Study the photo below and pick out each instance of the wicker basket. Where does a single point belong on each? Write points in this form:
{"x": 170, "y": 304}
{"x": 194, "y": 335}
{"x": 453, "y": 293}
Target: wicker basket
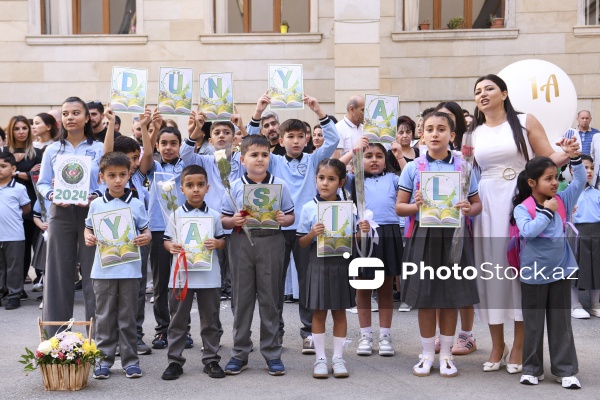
{"x": 65, "y": 377}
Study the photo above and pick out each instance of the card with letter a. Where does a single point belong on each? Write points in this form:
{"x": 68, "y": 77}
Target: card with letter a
{"x": 261, "y": 202}
{"x": 128, "y": 90}
{"x": 381, "y": 118}
{"x": 286, "y": 86}
{"x": 441, "y": 192}
{"x": 115, "y": 232}
{"x": 175, "y": 86}
{"x": 338, "y": 217}
{"x": 193, "y": 232}
{"x": 216, "y": 96}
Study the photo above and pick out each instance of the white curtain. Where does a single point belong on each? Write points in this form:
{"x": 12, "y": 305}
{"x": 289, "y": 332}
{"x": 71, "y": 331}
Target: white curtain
{"x": 411, "y": 15}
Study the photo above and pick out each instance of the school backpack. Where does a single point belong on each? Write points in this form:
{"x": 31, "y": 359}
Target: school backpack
{"x": 513, "y": 250}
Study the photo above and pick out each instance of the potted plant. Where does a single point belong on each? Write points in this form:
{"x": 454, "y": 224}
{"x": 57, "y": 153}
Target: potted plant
{"x": 496, "y": 22}
{"x": 284, "y": 27}
{"x": 456, "y": 23}
{"x": 424, "y": 26}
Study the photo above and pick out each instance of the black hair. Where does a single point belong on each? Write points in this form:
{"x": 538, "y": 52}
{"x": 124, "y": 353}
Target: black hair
{"x": 406, "y": 120}
{"x": 441, "y": 115}
{"x": 126, "y": 144}
{"x": 193, "y": 169}
{"x": 308, "y": 127}
{"x": 427, "y": 111}
{"x": 292, "y": 125}
{"x": 254, "y": 140}
{"x": 2, "y": 134}
{"x": 534, "y": 169}
{"x": 169, "y": 129}
{"x": 221, "y": 123}
{"x": 388, "y": 164}
{"x": 460, "y": 126}
{"x": 50, "y": 121}
{"x": 117, "y": 120}
{"x": 87, "y": 130}
{"x": 114, "y": 159}
{"x": 96, "y": 105}
{"x": 8, "y": 157}
{"x": 511, "y": 115}
{"x": 585, "y": 157}
{"x": 338, "y": 166}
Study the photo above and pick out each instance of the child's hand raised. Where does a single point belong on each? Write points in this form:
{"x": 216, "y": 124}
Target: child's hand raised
{"x": 157, "y": 120}
{"x": 317, "y": 229}
{"x": 569, "y": 146}
{"x": 263, "y": 102}
{"x": 145, "y": 117}
{"x": 364, "y": 226}
{"x": 551, "y": 204}
{"x": 109, "y": 114}
{"x": 314, "y": 105}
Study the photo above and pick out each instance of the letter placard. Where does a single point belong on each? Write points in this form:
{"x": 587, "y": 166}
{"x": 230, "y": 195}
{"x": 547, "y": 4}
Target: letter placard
{"x": 441, "y": 192}
{"x": 175, "y": 86}
{"x": 193, "y": 232}
{"x": 72, "y": 179}
{"x": 286, "y": 87}
{"x": 128, "y": 90}
{"x": 262, "y": 202}
{"x": 381, "y": 118}
{"x": 115, "y": 232}
{"x": 338, "y": 219}
{"x": 216, "y": 96}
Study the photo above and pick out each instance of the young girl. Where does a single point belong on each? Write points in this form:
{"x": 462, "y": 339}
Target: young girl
{"x": 327, "y": 279}
{"x": 546, "y": 263}
{"x": 45, "y": 130}
{"x": 587, "y": 221}
{"x": 432, "y": 247}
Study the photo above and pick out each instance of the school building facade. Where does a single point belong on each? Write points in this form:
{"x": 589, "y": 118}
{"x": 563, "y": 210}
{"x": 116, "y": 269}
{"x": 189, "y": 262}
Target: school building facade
{"x": 52, "y": 49}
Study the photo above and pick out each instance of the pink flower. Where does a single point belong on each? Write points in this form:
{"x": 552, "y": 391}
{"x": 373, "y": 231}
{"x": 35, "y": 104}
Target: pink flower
{"x": 61, "y": 355}
{"x": 39, "y": 354}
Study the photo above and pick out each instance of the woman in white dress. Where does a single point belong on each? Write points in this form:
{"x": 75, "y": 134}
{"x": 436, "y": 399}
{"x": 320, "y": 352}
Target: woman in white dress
{"x": 504, "y": 141}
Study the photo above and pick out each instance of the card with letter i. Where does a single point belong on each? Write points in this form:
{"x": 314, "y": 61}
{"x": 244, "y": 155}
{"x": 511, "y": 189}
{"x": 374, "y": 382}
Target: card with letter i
{"x": 193, "y": 232}
{"x": 286, "y": 86}
{"x": 338, "y": 217}
{"x": 115, "y": 232}
{"x": 381, "y": 118}
{"x": 441, "y": 192}
{"x": 261, "y": 202}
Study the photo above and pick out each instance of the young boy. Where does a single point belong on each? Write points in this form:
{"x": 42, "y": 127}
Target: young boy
{"x": 256, "y": 270}
{"x": 116, "y": 288}
{"x": 298, "y": 170}
{"x": 205, "y": 285}
{"x": 15, "y": 203}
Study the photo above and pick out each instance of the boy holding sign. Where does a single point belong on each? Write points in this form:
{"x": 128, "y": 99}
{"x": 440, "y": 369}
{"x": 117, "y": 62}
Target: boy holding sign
{"x": 204, "y": 283}
{"x": 111, "y": 224}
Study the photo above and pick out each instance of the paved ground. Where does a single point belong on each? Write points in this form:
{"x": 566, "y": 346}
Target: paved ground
{"x": 371, "y": 377}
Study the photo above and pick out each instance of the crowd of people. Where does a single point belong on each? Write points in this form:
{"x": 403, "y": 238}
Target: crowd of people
{"x": 515, "y": 182}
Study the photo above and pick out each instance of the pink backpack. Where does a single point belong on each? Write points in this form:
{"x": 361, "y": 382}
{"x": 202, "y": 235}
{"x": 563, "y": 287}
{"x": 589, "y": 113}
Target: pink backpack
{"x": 513, "y": 251}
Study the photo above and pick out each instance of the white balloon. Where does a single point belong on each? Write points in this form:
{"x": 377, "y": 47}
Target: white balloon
{"x": 541, "y": 88}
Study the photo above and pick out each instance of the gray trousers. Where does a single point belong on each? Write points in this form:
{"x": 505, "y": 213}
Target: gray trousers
{"x": 11, "y": 267}
{"x": 256, "y": 273}
{"x": 66, "y": 246}
{"x": 301, "y": 260}
{"x": 116, "y": 308}
{"x": 551, "y": 302}
{"x": 209, "y": 307}
{"x": 160, "y": 264}
{"x": 141, "y": 304}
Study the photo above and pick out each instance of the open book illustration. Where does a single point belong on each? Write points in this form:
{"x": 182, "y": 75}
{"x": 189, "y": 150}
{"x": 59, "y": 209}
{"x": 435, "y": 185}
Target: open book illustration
{"x": 338, "y": 220}
{"x": 440, "y": 194}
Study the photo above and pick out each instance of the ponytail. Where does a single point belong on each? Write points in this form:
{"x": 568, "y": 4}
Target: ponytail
{"x": 534, "y": 169}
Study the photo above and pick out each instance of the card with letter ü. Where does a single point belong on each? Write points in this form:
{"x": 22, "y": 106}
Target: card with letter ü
{"x": 261, "y": 202}
{"x": 336, "y": 240}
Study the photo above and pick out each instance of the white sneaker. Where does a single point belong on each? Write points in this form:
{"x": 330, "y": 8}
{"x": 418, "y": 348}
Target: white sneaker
{"x": 531, "y": 379}
{"x": 595, "y": 310}
{"x": 152, "y": 299}
{"x": 447, "y": 367}
{"x": 385, "y": 346}
{"x": 320, "y": 371}
{"x": 569, "y": 382}
{"x": 374, "y": 305}
{"x": 41, "y": 306}
{"x": 404, "y": 307}
{"x": 365, "y": 345}
{"x": 423, "y": 368}
{"x": 352, "y": 310}
{"x": 339, "y": 368}
{"x": 38, "y": 287}
{"x": 579, "y": 313}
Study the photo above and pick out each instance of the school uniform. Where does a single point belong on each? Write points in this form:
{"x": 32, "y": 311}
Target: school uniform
{"x": 13, "y": 196}
{"x": 432, "y": 247}
{"x": 206, "y": 286}
{"x": 39, "y": 251}
{"x": 116, "y": 288}
{"x": 66, "y": 243}
{"x": 299, "y": 173}
{"x": 587, "y": 221}
{"x": 327, "y": 280}
{"x": 546, "y": 295}
{"x": 256, "y": 272}
{"x": 160, "y": 259}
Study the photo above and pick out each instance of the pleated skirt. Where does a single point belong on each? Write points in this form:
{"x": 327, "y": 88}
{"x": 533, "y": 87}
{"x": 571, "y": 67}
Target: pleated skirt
{"x": 588, "y": 256}
{"x": 389, "y": 250}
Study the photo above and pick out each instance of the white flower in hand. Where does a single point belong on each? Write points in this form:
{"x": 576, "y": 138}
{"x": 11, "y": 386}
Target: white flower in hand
{"x": 219, "y": 155}
{"x": 167, "y": 186}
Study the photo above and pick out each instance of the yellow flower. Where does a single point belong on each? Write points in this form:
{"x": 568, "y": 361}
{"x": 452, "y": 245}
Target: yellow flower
{"x": 54, "y": 342}
{"x": 89, "y": 348}
{"x": 79, "y": 336}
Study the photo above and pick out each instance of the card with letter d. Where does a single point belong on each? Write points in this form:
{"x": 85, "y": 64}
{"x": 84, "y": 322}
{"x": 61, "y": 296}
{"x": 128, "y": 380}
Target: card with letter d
{"x": 128, "y": 90}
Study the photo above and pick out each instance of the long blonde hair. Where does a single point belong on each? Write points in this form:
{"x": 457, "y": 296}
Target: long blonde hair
{"x": 10, "y": 136}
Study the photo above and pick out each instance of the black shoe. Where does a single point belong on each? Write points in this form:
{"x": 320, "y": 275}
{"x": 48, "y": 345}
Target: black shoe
{"x": 78, "y": 285}
{"x": 189, "y": 342}
{"x": 27, "y": 281}
{"x": 396, "y": 296}
{"x": 160, "y": 341}
{"x": 24, "y": 295}
{"x": 214, "y": 370}
{"x": 288, "y": 298}
{"x": 172, "y": 372}
{"x": 13, "y": 304}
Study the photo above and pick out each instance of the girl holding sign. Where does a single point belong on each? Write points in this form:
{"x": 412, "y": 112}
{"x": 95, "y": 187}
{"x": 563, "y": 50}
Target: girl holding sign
{"x": 68, "y": 176}
{"x": 328, "y": 287}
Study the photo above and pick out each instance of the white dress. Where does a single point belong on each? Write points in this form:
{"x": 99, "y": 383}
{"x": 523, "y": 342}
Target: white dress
{"x": 497, "y": 156}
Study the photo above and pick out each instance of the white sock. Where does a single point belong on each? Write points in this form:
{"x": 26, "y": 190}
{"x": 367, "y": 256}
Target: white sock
{"x": 319, "y": 343}
{"x": 338, "y": 347}
{"x": 384, "y": 332}
{"x": 468, "y": 333}
{"x": 446, "y": 343}
{"x": 428, "y": 346}
{"x": 595, "y": 296}
{"x": 574, "y": 297}
{"x": 366, "y": 331}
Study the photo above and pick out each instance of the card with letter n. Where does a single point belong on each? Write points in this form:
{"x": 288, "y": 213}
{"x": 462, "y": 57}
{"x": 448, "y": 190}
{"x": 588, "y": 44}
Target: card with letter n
{"x": 338, "y": 217}
{"x": 193, "y": 232}
{"x": 216, "y": 96}
{"x": 128, "y": 90}
{"x": 115, "y": 232}
{"x": 72, "y": 179}
{"x": 261, "y": 202}
{"x": 286, "y": 87}
{"x": 441, "y": 192}
{"x": 175, "y": 87}
{"x": 381, "y": 118}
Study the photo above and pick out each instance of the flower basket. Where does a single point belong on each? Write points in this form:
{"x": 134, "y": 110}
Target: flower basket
{"x": 65, "y": 377}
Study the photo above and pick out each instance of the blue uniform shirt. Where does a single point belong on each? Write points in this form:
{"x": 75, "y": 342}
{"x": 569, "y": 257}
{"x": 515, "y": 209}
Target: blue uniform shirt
{"x": 13, "y": 196}
{"x": 199, "y": 279}
{"x": 157, "y": 220}
{"x": 380, "y": 196}
{"x": 131, "y": 269}
{"x": 588, "y": 207}
{"x": 88, "y": 147}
